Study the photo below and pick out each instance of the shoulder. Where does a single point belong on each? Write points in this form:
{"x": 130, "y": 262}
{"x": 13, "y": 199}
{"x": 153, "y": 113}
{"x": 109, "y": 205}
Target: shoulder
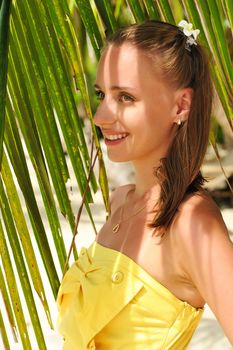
{"x": 198, "y": 223}
{"x": 206, "y": 252}
{"x": 199, "y": 213}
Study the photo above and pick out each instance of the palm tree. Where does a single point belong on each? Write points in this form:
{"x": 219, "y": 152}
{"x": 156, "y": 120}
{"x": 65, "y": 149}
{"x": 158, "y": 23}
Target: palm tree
{"x": 48, "y": 55}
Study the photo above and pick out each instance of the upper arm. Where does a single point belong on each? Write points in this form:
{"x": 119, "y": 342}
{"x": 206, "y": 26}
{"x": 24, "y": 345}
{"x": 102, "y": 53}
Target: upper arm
{"x": 207, "y": 253}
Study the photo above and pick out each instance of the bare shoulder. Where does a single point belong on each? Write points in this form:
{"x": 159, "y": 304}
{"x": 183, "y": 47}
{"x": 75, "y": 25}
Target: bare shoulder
{"x": 197, "y": 223}
{"x": 206, "y": 252}
{"x": 199, "y": 214}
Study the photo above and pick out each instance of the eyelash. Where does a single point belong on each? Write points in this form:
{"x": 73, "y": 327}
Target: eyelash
{"x": 98, "y": 93}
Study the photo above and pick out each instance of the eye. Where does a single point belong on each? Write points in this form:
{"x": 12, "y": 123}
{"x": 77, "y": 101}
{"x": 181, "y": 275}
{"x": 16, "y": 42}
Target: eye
{"x": 126, "y": 98}
{"x": 99, "y": 94}
{"x": 123, "y": 97}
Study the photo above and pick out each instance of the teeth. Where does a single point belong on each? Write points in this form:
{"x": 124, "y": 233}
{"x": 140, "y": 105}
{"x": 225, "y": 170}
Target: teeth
{"x": 116, "y": 137}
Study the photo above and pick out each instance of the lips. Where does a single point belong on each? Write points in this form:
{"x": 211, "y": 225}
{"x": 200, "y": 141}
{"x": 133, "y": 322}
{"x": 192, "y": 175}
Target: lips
{"x": 113, "y": 134}
{"x": 114, "y": 139}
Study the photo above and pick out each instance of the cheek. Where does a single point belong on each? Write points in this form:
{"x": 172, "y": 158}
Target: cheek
{"x": 146, "y": 119}
{"x": 133, "y": 117}
{"x": 158, "y": 107}
{"x": 159, "y": 120}
{"x": 155, "y": 121}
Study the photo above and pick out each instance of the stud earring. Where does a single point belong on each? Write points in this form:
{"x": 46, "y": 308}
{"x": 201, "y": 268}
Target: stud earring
{"x": 178, "y": 122}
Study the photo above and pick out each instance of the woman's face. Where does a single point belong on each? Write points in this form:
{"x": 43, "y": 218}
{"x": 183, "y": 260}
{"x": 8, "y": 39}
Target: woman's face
{"x": 134, "y": 102}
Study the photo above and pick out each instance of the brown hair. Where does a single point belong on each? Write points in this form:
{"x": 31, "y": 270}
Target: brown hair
{"x": 179, "y": 172}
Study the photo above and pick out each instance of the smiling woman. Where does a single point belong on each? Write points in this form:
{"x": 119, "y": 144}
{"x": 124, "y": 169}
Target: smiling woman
{"x": 150, "y": 105}
{"x": 153, "y": 265}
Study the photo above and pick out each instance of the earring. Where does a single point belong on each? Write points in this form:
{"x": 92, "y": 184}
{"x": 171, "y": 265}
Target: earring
{"x": 178, "y": 122}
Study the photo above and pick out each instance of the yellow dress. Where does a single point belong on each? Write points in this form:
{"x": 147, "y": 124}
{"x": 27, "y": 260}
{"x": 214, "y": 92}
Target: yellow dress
{"x": 106, "y": 301}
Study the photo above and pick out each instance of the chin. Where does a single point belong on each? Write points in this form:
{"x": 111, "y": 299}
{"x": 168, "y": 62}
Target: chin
{"x": 118, "y": 159}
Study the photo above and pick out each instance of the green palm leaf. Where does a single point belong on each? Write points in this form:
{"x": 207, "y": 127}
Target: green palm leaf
{"x": 136, "y": 10}
{"x": 210, "y": 41}
{"x": 4, "y": 38}
{"x": 4, "y": 333}
{"x": 13, "y": 290}
{"x": 165, "y": 11}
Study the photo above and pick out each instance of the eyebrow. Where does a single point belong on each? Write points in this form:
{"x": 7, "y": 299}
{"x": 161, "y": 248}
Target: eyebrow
{"x": 116, "y": 87}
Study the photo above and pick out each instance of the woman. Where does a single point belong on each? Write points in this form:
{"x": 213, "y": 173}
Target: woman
{"x": 164, "y": 251}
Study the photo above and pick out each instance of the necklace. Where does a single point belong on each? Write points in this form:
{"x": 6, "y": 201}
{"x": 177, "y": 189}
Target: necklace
{"x": 116, "y": 228}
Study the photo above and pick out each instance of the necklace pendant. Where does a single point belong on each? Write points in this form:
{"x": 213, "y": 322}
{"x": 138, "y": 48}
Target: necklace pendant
{"x": 116, "y": 228}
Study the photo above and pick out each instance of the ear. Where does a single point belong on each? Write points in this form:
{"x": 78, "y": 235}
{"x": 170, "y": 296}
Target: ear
{"x": 183, "y": 104}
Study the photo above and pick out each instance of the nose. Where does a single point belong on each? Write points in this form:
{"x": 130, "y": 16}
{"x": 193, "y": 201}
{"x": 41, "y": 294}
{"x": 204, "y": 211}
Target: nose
{"x": 105, "y": 114}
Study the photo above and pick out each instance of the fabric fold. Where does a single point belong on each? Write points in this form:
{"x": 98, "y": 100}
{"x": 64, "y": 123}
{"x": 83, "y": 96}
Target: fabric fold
{"x": 84, "y": 312}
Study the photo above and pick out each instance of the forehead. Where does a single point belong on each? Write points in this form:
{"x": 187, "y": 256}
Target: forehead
{"x": 125, "y": 64}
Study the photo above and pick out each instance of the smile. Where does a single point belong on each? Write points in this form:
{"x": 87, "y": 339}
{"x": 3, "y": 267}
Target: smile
{"x": 115, "y": 139}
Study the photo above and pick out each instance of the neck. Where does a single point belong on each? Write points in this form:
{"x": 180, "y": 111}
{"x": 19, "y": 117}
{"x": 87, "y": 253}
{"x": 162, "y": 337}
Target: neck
{"x": 146, "y": 183}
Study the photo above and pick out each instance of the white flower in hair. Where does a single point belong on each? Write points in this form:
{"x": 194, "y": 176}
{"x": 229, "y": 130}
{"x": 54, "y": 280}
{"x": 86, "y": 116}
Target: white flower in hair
{"x": 189, "y": 32}
{"x": 188, "y": 29}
